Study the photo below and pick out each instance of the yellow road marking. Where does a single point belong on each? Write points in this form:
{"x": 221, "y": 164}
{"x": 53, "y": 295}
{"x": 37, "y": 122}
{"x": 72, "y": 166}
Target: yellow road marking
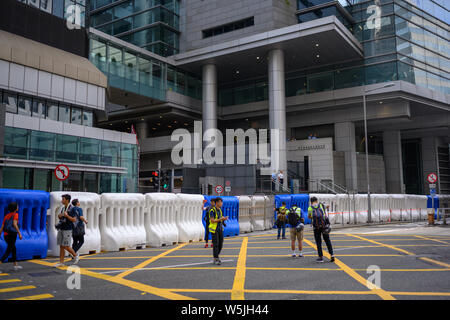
{"x": 314, "y": 255}
{"x": 306, "y": 291}
{"x": 169, "y": 268}
{"x": 380, "y": 292}
{"x": 16, "y": 289}
{"x": 407, "y": 252}
{"x": 128, "y": 283}
{"x": 147, "y": 262}
{"x": 237, "y": 292}
{"x": 10, "y": 280}
{"x": 425, "y": 238}
{"x": 407, "y": 270}
{"x": 383, "y": 244}
{"x": 36, "y": 297}
{"x": 201, "y": 290}
{"x": 420, "y": 293}
{"x": 294, "y": 269}
{"x": 4, "y": 274}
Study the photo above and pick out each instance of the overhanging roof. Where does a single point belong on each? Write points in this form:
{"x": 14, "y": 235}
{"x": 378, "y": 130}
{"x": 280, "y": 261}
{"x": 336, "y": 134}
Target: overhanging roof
{"x": 326, "y": 37}
{"x": 17, "y": 49}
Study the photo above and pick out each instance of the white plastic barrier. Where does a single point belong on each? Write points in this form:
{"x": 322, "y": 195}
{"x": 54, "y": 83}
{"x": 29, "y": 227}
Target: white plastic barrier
{"x": 245, "y": 224}
{"x": 380, "y": 207}
{"x": 329, "y": 200}
{"x": 269, "y": 212}
{"x": 258, "y": 213}
{"x": 189, "y": 217}
{"x": 344, "y": 206}
{"x": 90, "y": 203}
{"x": 160, "y": 219}
{"x": 414, "y": 207}
{"x": 397, "y": 207}
{"x": 122, "y": 221}
{"x": 361, "y": 208}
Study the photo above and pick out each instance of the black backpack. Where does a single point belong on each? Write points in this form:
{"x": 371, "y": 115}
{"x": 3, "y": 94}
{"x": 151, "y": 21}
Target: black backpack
{"x": 9, "y": 225}
{"x": 78, "y": 229}
{"x": 293, "y": 217}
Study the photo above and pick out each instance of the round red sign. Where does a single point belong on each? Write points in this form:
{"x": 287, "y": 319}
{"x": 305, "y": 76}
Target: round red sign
{"x": 432, "y": 178}
{"x": 61, "y": 172}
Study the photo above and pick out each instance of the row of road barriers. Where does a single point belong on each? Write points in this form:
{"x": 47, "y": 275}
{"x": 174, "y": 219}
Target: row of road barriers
{"x": 118, "y": 221}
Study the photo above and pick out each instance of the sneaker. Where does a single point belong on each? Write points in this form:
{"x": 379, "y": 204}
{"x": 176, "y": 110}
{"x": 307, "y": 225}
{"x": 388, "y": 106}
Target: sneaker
{"x": 319, "y": 260}
{"x": 278, "y": 238}
{"x": 77, "y": 258}
{"x": 283, "y": 238}
{"x": 293, "y": 255}
{"x": 73, "y": 258}
{"x": 17, "y": 268}
{"x": 206, "y": 245}
{"x": 300, "y": 255}
{"x": 332, "y": 259}
{"x": 59, "y": 264}
{"x": 219, "y": 262}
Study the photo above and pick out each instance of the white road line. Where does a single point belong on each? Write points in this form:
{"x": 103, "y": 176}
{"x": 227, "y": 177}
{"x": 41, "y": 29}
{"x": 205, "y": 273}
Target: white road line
{"x": 173, "y": 266}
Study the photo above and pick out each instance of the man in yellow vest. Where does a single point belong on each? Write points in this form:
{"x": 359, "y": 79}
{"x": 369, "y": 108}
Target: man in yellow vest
{"x": 216, "y": 220}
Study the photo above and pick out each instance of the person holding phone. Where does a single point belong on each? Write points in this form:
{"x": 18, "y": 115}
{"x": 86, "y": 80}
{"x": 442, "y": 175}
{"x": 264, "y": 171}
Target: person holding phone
{"x": 216, "y": 221}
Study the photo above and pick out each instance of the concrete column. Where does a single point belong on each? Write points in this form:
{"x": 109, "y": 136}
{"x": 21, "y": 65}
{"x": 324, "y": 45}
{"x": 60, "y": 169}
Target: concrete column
{"x": 392, "y": 149}
{"x": 344, "y": 136}
{"x": 277, "y": 112}
{"x": 209, "y": 100}
{"x": 142, "y": 130}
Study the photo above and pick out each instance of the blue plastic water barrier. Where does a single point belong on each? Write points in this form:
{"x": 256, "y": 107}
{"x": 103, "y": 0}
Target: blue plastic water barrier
{"x": 279, "y": 198}
{"x": 302, "y": 201}
{"x": 436, "y": 204}
{"x": 33, "y": 207}
{"x": 230, "y": 209}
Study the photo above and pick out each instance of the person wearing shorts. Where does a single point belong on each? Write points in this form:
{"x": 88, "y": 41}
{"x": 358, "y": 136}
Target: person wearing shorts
{"x": 295, "y": 233}
{"x": 64, "y": 236}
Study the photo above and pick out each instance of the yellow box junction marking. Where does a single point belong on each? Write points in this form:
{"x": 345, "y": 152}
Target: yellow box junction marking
{"x": 36, "y": 297}
{"x": 237, "y": 292}
{"x": 16, "y": 289}
{"x": 380, "y": 292}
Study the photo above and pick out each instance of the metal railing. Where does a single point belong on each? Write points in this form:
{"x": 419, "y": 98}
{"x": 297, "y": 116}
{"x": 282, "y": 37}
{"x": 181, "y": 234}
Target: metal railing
{"x": 326, "y": 185}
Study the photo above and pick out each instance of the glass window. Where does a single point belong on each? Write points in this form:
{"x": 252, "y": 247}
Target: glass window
{"x": 295, "y": 86}
{"x": 98, "y": 54}
{"x": 320, "y": 82}
{"x": 76, "y": 115}
{"x": 89, "y": 151}
{"x": 41, "y": 179}
{"x": 115, "y": 61}
{"x": 378, "y": 47}
{"x": 90, "y": 182}
{"x": 16, "y": 178}
{"x": 39, "y": 108}
{"x": 381, "y": 73}
{"x": 110, "y": 153}
{"x": 434, "y": 81}
{"x": 386, "y": 28}
{"x": 349, "y": 78}
{"x": 101, "y": 17}
{"x": 409, "y": 31}
{"x": 64, "y": 113}
{"x": 46, "y": 5}
{"x": 123, "y": 10}
{"x": 88, "y": 118}
{"x": 42, "y": 145}
{"x": 16, "y": 143}
{"x": 58, "y": 8}
{"x": 122, "y": 26}
{"x": 24, "y": 106}
{"x": 108, "y": 182}
{"x": 52, "y": 111}
{"x": 10, "y": 101}
{"x": 67, "y": 148}
{"x": 127, "y": 151}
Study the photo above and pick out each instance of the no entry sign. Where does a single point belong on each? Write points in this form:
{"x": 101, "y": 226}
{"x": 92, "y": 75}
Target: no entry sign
{"x": 61, "y": 172}
{"x": 219, "y": 189}
{"x": 432, "y": 178}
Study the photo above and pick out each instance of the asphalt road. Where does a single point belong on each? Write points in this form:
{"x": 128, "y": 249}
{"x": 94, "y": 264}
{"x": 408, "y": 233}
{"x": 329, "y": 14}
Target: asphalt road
{"x": 413, "y": 262}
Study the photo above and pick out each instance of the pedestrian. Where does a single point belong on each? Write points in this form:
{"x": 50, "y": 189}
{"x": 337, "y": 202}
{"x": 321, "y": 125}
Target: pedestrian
{"x": 281, "y": 178}
{"x": 274, "y": 179}
{"x": 67, "y": 217}
{"x": 10, "y": 228}
{"x": 216, "y": 221}
{"x": 281, "y": 220}
{"x": 321, "y": 225}
{"x": 78, "y": 229}
{"x": 207, "y": 215}
{"x": 296, "y": 220}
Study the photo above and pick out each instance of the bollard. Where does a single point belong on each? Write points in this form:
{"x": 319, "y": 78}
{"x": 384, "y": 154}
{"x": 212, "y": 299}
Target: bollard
{"x": 430, "y": 217}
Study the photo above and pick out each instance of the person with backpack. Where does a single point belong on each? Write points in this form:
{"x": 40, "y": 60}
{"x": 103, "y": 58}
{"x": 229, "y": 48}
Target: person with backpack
{"x": 281, "y": 220}
{"x": 67, "y": 217}
{"x": 206, "y": 218}
{"x": 295, "y": 219}
{"x": 78, "y": 229}
{"x": 10, "y": 228}
{"x": 321, "y": 225}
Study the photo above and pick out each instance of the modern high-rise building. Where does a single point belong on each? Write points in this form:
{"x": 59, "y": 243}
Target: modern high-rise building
{"x": 52, "y": 98}
{"x": 301, "y": 68}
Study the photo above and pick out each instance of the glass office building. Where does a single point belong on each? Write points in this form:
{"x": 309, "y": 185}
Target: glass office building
{"x": 402, "y": 39}
{"x": 149, "y": 24}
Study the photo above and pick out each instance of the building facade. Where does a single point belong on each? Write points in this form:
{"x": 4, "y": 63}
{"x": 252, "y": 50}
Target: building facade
{"x": 52, "y": 98}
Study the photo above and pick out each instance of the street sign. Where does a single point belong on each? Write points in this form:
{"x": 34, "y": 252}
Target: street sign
{"x": 227, "y": 189}
{"x": 61, "y": 172}
{"x": 432, "y": 192}
{"x": 432, "y": 178}
{"x": 219, "y": 189}
{"x": 432, "y": 186}
{"x": 228, "y": 183}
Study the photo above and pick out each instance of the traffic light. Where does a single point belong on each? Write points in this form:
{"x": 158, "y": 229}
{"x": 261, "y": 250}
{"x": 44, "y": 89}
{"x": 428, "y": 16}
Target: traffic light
{"x": 156, "y": 179}
{"x": 165, "y": 180}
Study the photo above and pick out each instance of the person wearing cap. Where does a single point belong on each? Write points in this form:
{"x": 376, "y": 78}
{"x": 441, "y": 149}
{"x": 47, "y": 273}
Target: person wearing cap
{"x": 316, "y": 212}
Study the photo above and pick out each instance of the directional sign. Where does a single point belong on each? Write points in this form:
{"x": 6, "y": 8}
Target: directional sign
{"x": 219, "y": 189}
{"x": 61, "y": 172}
{"x": 432, "y": 178}
{"x": 227, "y": 189}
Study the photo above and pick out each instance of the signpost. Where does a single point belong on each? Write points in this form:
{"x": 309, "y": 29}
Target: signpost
{"x": 432, "y": 179}
{"x": 219, "y": 189}
{"x": 62, "y": 172}
{"x": 228, "y": 187}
